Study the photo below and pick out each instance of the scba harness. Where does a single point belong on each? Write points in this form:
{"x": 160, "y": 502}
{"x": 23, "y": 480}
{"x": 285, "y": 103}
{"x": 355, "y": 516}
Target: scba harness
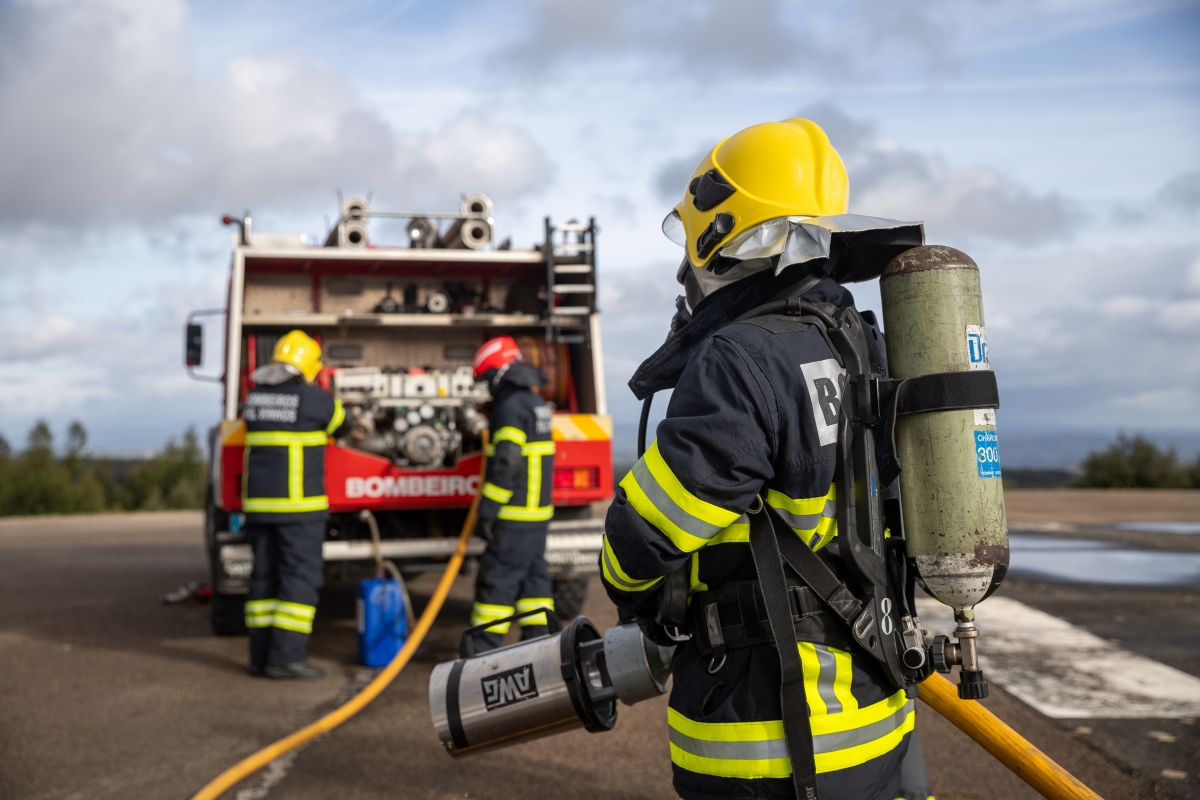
{"x": 859, "y": 590}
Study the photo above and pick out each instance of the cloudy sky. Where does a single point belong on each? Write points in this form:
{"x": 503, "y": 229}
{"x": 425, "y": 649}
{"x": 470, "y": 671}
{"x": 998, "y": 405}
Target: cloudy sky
{"x": 1057, "y": 141}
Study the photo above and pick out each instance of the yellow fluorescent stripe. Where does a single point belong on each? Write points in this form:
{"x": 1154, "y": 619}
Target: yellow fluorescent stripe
{"x": 843, "y": 679}
{"x": 849, "y": 720}
{"x": 617, "y": 576}
{"x": 725, "y": 731}
{"x": 735, "y": 533}
{"x": 646, "y": 509}
{"x": 773, "y": 729}
{"x": 803, "y": 506}
{"x": 339, "y": 416}
{"x": 509, "y": 434}
{"x": 812, "y": 671}
{"x": 261, "y": 605}
{"x": 700, "y": 509}
{"x": 861, "y": 754}
{"x": 695, "y": 584}
{"x": 284, "y": 438}
{"x": 490, "y": 611}
{"x": 725, "y": 768}
{"x": 283, "y": 505}
{"x": 782, "y": 767}
{"x": 295, "y": 626}
{"x": 295, "y": 472}
{"x": 530, "y": 603}
{"x": 518, "y": 514}
{"x": 493, "y": 492}
{"x": 533, "y": 493}
{"x": 538, "y": 449}
{"x": 298, "y": 609}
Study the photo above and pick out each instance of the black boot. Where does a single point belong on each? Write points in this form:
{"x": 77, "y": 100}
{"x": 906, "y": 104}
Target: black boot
{"x": 300, "y": 671}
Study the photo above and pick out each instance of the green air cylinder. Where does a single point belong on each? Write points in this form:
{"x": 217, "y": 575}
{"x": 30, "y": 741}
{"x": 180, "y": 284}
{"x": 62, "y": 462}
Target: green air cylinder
{"x": 952, "y": 497}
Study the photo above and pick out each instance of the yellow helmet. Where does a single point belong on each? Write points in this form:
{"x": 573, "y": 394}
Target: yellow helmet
{"x": 767, "y": 171}
{"x": 301, "y": 351}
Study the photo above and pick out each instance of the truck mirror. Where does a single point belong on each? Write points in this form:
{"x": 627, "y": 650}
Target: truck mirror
{"x": 193, "y": 344}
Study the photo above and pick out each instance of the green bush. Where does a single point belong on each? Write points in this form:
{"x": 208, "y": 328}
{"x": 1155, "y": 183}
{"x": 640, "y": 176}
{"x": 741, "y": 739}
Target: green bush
{"x": 1134, "y": 462}
{"x": 36, "y": 481}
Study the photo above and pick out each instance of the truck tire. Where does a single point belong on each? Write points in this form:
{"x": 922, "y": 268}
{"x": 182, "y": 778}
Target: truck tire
{"x": 227, "y": 614}
{"x": 569, "y": 596}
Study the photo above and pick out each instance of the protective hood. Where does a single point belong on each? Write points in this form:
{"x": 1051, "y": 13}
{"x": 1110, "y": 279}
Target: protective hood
{"x": 515, "y": 376}
{"x": 275, "y": 373}
{"x": 868, "y": 244}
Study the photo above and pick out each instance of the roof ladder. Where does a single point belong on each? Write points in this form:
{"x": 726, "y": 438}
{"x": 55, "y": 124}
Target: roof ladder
{"x": 570, "y": 255}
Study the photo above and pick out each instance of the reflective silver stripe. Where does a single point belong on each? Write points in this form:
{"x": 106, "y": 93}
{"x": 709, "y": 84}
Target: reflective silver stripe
{"x": 807, "y": 522}
{"x": 730, "y": 751}
{"x": 826, "y": 678}
{"x": 829, "y": 742}
{"x": 618, "y": 580}
{"x": 668, "y": 508}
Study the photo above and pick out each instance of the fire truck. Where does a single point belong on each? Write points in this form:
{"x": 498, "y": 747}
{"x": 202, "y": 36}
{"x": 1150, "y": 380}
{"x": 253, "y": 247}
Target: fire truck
{"x": 399, "y": 325}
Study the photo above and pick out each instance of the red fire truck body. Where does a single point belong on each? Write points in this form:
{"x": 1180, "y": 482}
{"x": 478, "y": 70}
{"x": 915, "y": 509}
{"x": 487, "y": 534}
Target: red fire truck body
{"x": 399, "y": 326}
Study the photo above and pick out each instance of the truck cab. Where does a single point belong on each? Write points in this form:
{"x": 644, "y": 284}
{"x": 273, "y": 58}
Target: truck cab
{"x": 399, "y": 325}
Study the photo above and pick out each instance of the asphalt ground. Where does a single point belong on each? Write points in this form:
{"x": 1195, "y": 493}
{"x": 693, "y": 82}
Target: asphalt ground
{"x": 110, "y": 694}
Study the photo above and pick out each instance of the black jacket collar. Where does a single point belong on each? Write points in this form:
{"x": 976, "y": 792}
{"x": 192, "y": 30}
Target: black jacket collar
{"x": 662, "y": 370}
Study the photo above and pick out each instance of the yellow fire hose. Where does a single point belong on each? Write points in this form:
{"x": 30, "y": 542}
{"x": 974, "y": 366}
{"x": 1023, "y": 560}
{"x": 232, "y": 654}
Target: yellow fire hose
{"x": 248, "y": 766}
{"x": 1009, "y": 747}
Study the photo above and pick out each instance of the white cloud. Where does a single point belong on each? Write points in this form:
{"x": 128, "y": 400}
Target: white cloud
{"x": 956, "y": 203}
{"x": 713, "y": 39}
{"x": 102, "y": 119}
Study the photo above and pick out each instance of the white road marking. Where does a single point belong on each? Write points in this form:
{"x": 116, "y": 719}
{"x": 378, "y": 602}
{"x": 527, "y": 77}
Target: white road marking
{"x": 271, "y": 776}
{"x": 1065, "y": 672}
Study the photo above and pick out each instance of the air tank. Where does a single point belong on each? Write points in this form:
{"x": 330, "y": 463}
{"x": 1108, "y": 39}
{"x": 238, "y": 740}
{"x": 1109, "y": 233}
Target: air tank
{"x": 951, "y": 491}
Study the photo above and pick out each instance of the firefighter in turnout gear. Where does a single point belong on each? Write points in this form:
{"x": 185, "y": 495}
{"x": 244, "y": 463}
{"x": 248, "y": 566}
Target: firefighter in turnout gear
{"x": 516, "y": 508}
{"x": 288, "y": 422}
{"x": 754, "y": 418}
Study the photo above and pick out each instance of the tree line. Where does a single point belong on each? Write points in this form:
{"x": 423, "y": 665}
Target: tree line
{"x": 1135, "y": 462}
{"x": 37, "y": 480}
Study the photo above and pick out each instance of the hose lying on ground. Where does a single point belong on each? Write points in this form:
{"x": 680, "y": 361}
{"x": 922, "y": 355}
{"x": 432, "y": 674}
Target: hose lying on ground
{"x": 248, "y": 766}
{"x": 1009, "y": 747}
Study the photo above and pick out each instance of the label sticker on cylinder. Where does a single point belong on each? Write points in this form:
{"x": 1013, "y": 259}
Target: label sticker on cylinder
{"x": 987, "y": 454}
{"x": 985, "y": 417}
{"x": 977, "y": 349}
{"x": 508, "y": 687}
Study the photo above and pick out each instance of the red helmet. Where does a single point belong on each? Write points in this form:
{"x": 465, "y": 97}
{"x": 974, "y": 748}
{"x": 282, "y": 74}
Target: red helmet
{"x": 496, "y": 353}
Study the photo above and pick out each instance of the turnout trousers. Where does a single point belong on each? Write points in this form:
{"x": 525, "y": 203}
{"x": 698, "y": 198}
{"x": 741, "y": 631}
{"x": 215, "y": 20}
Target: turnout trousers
{"x": 284, "y": 587}
{"x": 512, "y": 579}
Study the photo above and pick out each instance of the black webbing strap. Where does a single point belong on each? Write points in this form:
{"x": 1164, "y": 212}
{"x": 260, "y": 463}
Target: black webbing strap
{"x": 768, "y": 562}
{"x": 819, "y": 577}
{"x": 939, "y": 391}
{"x": 947, "y": 391}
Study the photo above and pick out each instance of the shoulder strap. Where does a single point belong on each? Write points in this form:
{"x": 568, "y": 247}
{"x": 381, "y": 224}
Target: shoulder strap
{"x": 817, "y": 574}
{"x": 768, "y": 562}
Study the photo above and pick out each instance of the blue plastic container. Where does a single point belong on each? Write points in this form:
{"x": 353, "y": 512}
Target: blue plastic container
{"x": 382, "y": 621}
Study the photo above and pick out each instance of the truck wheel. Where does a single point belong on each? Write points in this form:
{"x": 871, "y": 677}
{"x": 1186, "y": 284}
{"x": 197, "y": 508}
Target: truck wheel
{"x": 569, "y": 596}
{"x": 228, "y": 614}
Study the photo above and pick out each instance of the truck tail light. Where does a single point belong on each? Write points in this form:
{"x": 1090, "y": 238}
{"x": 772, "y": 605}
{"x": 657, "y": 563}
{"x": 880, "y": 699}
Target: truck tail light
{"x": 577, "y": 478}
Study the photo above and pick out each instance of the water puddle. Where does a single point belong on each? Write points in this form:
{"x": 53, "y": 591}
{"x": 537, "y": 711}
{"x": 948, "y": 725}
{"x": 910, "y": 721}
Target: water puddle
{"x": 1160, "y": 527}
{"x": 1089, "y": 561}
